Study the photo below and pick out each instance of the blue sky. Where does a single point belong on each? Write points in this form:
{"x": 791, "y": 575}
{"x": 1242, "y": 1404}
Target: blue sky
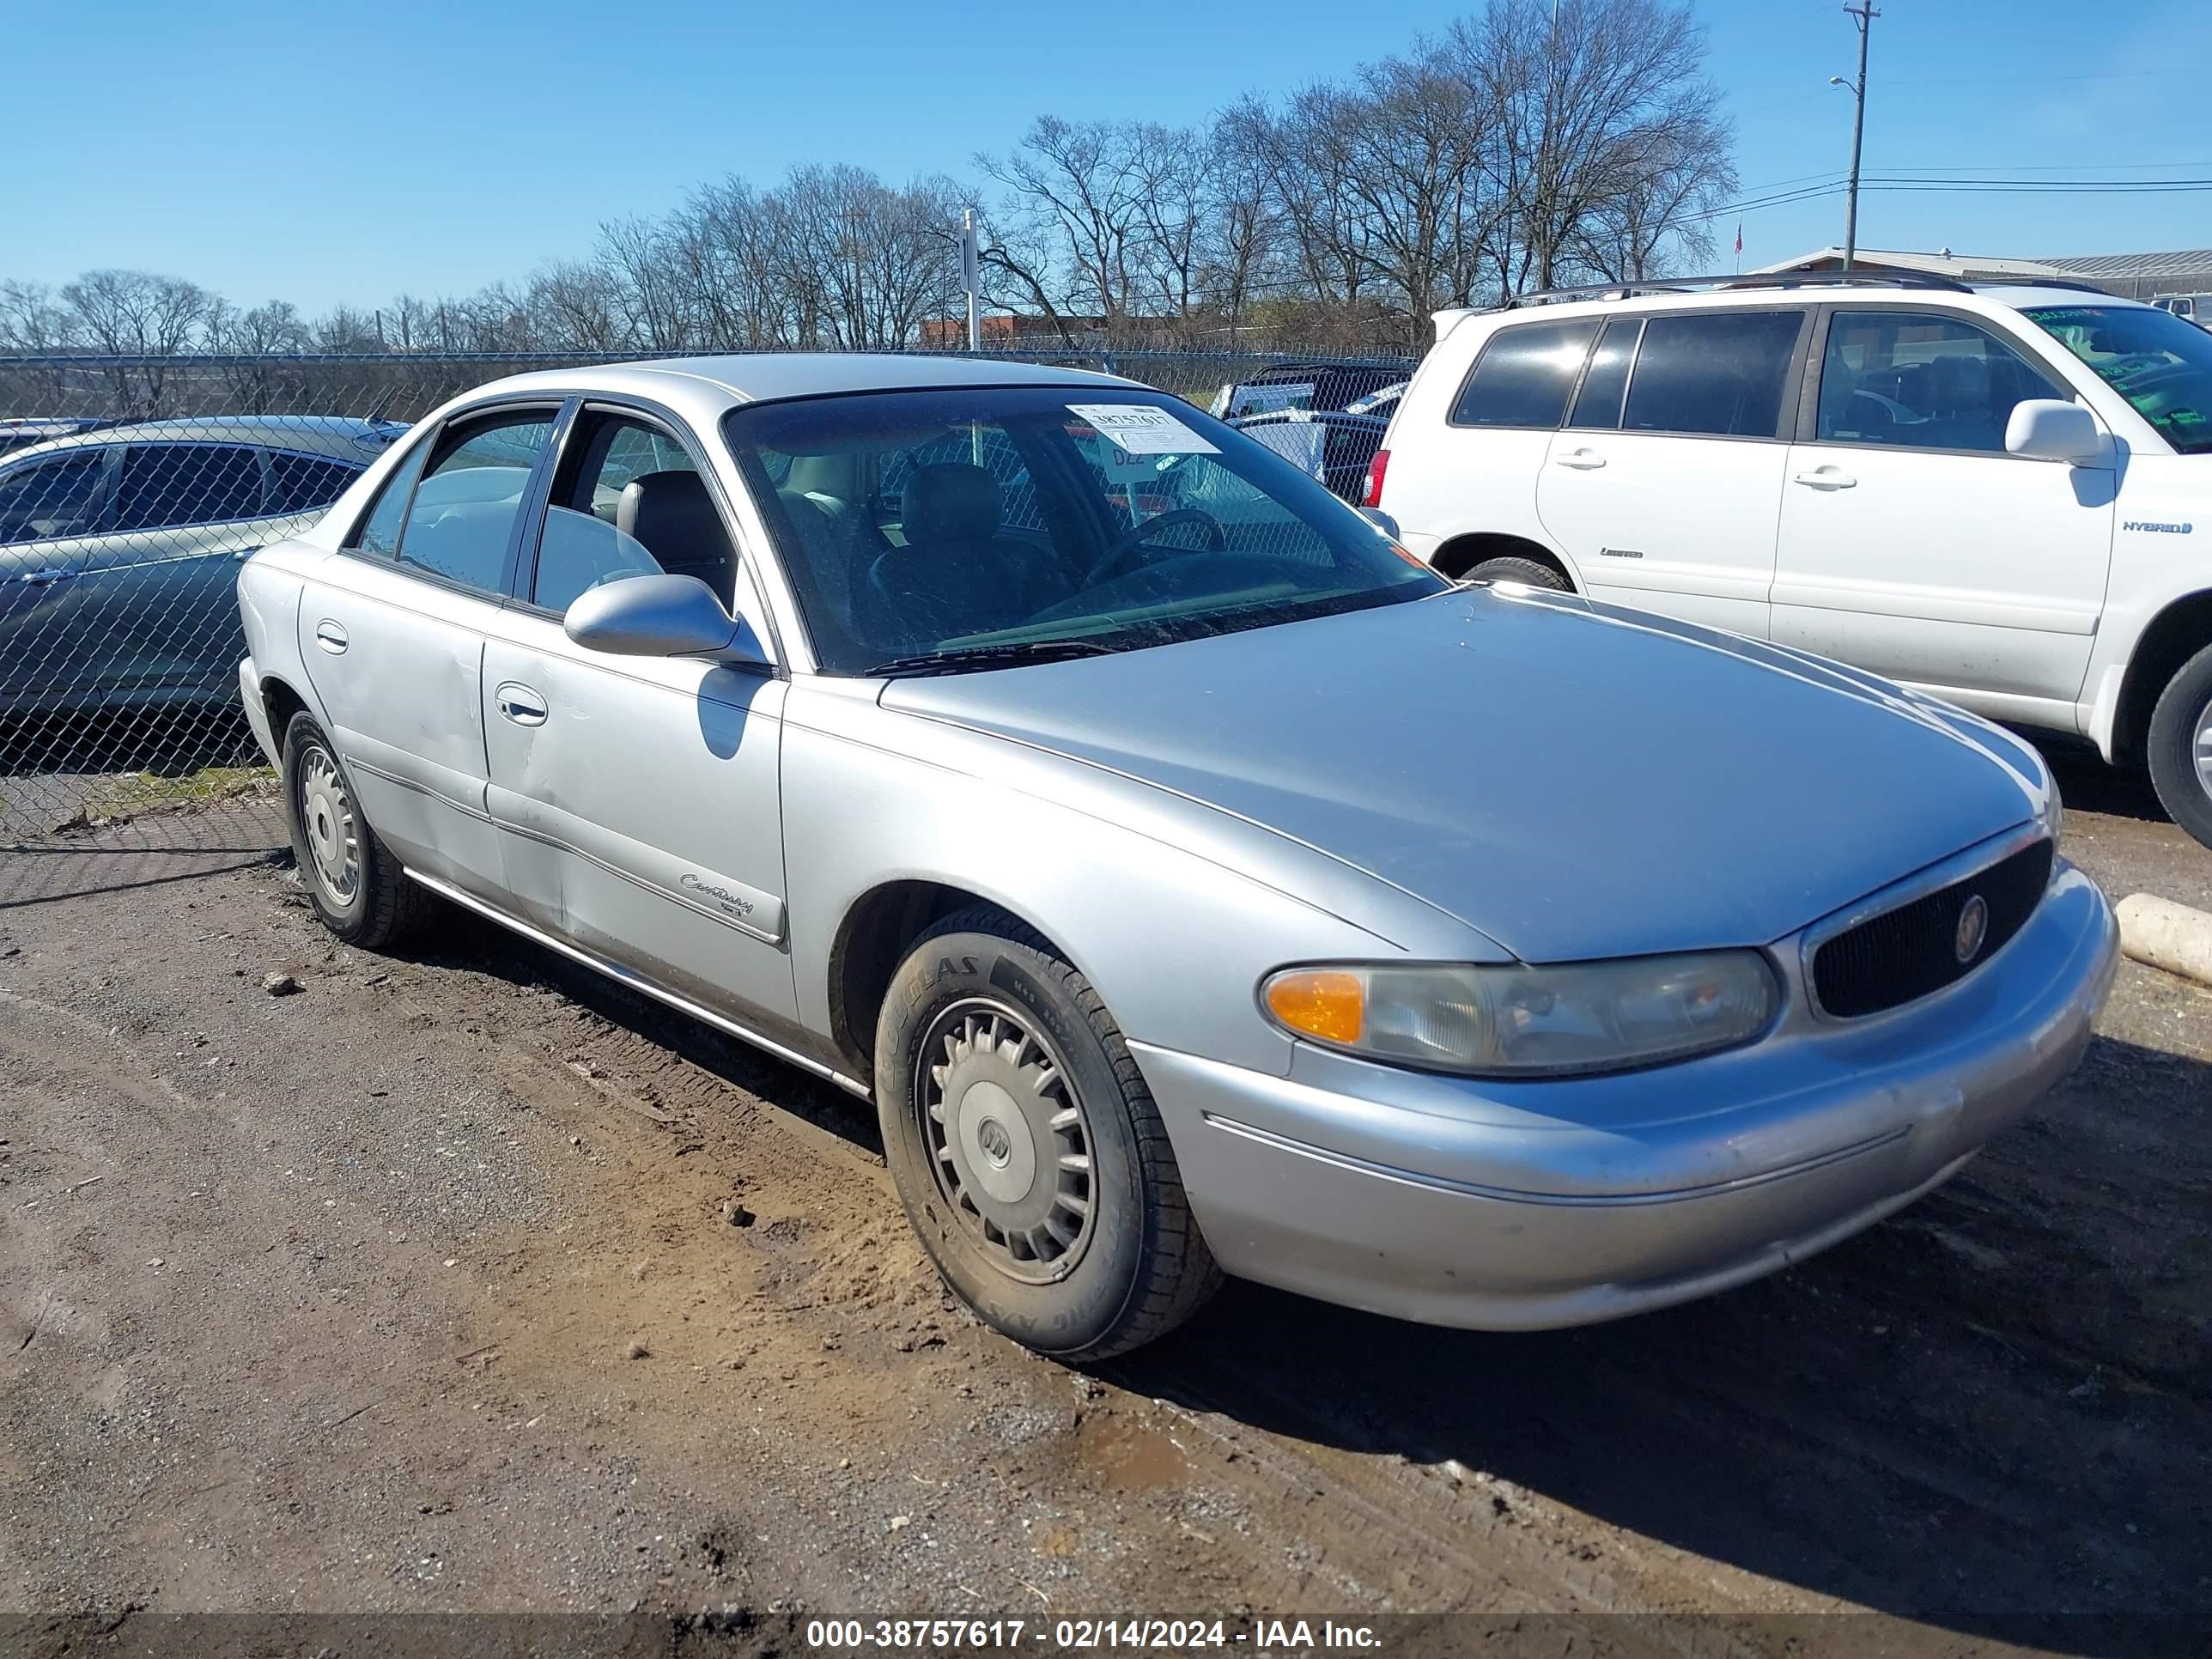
{"x": 326, "y": 154}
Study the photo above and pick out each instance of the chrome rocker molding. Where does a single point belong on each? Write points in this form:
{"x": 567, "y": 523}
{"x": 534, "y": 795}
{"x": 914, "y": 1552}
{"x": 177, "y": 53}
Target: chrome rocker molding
{"x": 623, "y": 976}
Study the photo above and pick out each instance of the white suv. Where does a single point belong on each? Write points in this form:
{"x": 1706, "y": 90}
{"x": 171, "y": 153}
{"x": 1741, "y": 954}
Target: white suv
{"x": 2001, "y": 495}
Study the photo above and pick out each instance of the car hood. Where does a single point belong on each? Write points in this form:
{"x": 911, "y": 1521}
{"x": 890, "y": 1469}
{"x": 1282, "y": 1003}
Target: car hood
{"x": 1573, "y": 781}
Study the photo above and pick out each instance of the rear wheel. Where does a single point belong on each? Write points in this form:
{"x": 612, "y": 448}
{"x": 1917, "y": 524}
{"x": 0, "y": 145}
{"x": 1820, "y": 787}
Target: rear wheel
{"x": 2181, "y": 744}
{"x": 1511, "y": 569}
{"x": 1026, "y": 1148}
{"x": 354, "y": 885}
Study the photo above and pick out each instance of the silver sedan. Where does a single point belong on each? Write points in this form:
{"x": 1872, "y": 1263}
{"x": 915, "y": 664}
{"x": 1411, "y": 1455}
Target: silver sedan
{"x": 1194, "y": 882}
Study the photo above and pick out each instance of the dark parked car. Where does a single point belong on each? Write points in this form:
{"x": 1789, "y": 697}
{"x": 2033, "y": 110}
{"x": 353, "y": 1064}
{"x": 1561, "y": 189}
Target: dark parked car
{"x": 120, "y": 550}
{"x": 1347, "y": 444}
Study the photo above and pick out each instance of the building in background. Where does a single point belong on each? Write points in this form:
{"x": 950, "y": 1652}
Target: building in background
{"x": 2136, "y": 275}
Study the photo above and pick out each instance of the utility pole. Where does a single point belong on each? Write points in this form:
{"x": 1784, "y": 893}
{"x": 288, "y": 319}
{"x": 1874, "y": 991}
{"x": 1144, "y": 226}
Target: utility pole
{"x": 1865, "y": 14}
{"x": 970, "y": 272}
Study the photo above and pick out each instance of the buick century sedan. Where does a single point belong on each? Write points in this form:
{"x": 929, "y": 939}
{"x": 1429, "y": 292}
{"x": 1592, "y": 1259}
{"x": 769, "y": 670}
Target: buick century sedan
{"x": 1196, "y": 882}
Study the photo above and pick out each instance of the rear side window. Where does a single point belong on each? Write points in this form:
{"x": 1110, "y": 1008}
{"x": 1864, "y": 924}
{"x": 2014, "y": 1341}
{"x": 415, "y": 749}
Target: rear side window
{"x": 1716, "y": 373}
{"x": 165, "y": 485}
{"x": 379, "y": 532}
{"x": 462, "y": 516}
{"x": 1524, "y": 376}
{"x": 298, "y": 484}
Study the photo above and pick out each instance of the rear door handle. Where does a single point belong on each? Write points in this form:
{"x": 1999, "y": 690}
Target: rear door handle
{"x": 519, "y": 704}
{"x": 44, "y": 578}
{"x": 1824, "y": 477}
{"x": 1582, "y": 460}
{"x": 331, "y": 637}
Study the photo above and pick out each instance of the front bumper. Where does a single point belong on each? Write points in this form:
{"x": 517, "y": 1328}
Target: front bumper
{"x": 1523, "y": 1206}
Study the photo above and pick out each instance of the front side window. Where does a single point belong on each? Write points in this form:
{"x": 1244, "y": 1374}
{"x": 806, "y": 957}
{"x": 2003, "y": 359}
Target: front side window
{"x": 1920, "y": 382}
{"x": 1524, "y": 375}
{"x": 1035, "y": 521}
{"x": 2160, "y": 364}
{"x": 462, "y": 519}
{"x": 41, "y": 501}
{"x": 165, "y": 485}
{"x": 629, "y": 501}
{"x": 1712, "y": 374}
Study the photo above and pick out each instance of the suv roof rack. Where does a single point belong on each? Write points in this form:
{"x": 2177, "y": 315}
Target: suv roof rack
{"x": 1781, "y": 279}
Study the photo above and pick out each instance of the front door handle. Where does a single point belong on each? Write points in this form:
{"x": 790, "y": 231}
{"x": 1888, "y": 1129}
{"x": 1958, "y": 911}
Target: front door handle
{"x": 519, "y": 704}
{"x": 1582, "y": 460}
{"x": 1824, "y": 477}
{"x": 331, "y": 637}
{"x": 44, "y": 578}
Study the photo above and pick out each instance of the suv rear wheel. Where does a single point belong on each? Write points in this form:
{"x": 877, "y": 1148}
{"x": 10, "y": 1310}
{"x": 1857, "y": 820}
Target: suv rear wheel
{"x": 1509, "y": 568}
{"x": 2180, "y": 744}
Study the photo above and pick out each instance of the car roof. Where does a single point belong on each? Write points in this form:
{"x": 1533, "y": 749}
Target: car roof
{"x": 762, "y": 376}
{"x": 340, "y": 437}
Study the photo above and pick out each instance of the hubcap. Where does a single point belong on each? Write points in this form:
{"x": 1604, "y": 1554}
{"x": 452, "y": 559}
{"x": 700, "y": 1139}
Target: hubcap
{"x": 2202, "y": 748}
{"x": 1007, "y": 1138}
{"x": 326, "y": 814}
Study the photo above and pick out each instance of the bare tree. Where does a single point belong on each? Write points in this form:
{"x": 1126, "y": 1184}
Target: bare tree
{"x": 141, "y": 315}
{"x": 1598, "y": 103}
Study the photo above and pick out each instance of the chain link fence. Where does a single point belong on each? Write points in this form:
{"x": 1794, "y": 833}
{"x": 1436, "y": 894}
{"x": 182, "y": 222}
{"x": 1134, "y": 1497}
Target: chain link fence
{"x": 132, "y": 488}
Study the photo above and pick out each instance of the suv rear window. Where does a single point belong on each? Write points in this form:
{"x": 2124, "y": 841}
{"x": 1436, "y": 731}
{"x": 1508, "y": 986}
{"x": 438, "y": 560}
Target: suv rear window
{"x": 1716, "y": 373}
{"x": 1524, "y": 376}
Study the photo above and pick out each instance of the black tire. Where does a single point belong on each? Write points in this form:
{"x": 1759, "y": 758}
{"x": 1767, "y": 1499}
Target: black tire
{"x": 1138, "y": 1268}
{"x": 1513, "y": 568}
{"x": 2182, "y": 712}
{"x": 380, "y": 906}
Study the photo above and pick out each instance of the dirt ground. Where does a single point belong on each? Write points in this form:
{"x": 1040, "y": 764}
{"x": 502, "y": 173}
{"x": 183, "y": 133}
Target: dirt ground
{"x": 464, "y": 1282}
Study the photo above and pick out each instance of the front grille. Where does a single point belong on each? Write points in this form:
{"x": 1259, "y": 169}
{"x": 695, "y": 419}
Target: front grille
{"x": 1913, "y": 951}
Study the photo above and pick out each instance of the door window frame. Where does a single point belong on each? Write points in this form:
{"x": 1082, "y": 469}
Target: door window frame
{"x": 113, "y": 481}
{"x": 1808, "y": 399}
{"x": 750, "y": 601}
{"x": 1787, "y": 408}
{"x": 439, "y": 443}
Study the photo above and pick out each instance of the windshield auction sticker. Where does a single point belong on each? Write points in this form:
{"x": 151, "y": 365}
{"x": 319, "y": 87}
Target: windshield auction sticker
{"x": 1142, "y": 430}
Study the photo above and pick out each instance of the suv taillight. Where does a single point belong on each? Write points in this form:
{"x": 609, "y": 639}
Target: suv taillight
{"x": 1376, "y": 469}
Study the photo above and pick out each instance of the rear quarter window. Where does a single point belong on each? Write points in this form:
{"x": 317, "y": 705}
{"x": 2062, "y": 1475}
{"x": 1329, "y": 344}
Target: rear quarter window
{"x": 1524, "y": 376}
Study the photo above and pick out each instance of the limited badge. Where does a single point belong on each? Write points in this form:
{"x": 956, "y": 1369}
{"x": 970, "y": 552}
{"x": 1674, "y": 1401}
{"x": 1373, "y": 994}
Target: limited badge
{"x": 1973, "y": 929}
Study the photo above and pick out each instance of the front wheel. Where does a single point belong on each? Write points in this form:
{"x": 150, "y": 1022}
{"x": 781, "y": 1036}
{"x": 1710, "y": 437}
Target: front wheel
{"x": 2180, "y": 744}
{"x": 1026, "y": 1148}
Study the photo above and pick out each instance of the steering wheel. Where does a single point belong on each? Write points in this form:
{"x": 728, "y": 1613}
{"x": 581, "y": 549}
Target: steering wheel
{"x": 1138, "y": 535}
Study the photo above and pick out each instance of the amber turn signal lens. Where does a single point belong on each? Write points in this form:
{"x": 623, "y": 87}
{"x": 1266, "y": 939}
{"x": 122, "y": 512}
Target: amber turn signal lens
{"x": 1322, "y": 1002}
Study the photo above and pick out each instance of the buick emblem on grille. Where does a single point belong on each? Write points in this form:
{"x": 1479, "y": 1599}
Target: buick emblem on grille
{"x": 1974, "y": 928}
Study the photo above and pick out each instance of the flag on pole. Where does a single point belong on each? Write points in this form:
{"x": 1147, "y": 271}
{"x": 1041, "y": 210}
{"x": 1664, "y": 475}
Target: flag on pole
{"x": 1739, "y": 236}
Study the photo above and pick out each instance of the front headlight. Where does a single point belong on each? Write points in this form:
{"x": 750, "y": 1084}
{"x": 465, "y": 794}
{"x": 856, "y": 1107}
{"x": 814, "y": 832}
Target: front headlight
{"x": 1508, "y": 1020}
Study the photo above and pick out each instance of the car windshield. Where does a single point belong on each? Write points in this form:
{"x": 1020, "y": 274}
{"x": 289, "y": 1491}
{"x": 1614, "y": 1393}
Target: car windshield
{"x": 2158, "y": 362}
{"x": 929, "y": 531}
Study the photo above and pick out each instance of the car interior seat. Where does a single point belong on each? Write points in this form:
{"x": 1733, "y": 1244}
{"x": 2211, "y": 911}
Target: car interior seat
{"x": 671, "y": 515}
{"x": 956, "y": 574}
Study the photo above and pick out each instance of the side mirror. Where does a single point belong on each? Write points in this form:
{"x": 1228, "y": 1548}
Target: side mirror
{"x": 1382, "y": 521}
{"x": 2048, "y": 429}
{"x": 660, "y": 617}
